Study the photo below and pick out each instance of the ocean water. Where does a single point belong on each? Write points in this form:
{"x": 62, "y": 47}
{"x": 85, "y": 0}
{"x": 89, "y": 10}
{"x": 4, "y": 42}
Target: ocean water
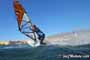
{"x": 54, "y": 52}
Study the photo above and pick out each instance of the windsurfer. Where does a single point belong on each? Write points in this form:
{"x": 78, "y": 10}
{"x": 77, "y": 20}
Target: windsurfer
{"x": 41, "y": 35}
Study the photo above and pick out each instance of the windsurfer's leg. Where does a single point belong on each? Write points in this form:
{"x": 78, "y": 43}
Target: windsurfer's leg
{"x": 41, "y": 38}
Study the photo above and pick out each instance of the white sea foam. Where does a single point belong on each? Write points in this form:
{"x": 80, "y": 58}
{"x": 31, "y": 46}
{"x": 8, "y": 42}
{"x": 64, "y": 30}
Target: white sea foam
{"x": 71, "y": 38}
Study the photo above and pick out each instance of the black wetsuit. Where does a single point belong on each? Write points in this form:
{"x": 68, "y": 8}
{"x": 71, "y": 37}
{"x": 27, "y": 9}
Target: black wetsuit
{"x": 40, "y": 34}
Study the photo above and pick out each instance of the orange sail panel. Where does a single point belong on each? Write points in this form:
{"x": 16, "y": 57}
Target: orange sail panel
{"x": 19, "y": 11}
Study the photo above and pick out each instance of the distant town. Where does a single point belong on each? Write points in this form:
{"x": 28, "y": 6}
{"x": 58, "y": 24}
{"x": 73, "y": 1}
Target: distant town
{"x": 5, "y": 43}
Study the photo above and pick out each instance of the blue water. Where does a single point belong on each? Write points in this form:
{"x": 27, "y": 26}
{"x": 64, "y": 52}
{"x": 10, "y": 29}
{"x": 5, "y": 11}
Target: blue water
{"x": 46, "y": 53}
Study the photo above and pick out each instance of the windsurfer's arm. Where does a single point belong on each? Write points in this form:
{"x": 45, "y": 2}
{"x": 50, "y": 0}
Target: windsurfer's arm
{"x": 33, "y": 28}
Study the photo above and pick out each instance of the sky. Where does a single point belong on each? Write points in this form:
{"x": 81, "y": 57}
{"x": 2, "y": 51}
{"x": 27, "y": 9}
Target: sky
{"x": 51, "y": 16}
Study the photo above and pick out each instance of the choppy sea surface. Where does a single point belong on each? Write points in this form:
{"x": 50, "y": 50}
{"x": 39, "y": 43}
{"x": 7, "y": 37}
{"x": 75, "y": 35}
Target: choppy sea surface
{"x": 53, "y": 52}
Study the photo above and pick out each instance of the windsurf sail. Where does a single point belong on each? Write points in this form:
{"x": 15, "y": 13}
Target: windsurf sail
{"x": 23, "y": 20}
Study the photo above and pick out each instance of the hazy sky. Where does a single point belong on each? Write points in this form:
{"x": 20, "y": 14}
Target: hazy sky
{"x": 51, "y": 16}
